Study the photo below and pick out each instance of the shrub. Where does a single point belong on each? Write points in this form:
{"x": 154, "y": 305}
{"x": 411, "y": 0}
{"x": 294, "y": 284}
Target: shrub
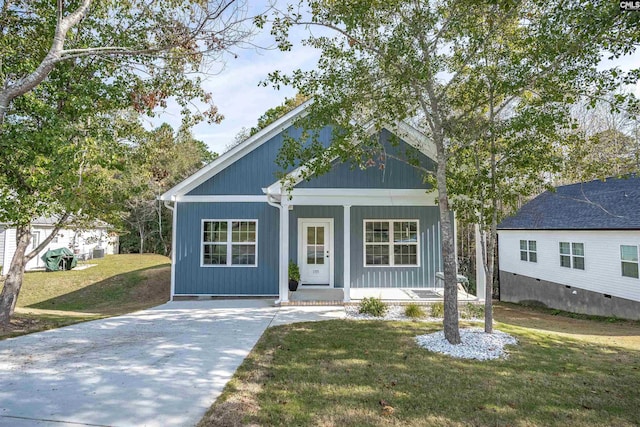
{"x": 473, "y": 311}
{"x": 437, "y": 309}
{"x": 414, "y": 311}
{"x": 372, "y": 306}
{"x": 294, "y": 271}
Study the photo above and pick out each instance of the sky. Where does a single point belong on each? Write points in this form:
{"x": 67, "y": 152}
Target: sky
{"x": 239, "y": 97}
{"x": 235, "y": 85}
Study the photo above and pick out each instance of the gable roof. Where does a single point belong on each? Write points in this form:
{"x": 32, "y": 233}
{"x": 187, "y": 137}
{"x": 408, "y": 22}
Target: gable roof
{"x": 408, "y": 133}
{"x": 228, "y": 158}
{"x": 411, "y": 135}
{"x": 613, "y": 204}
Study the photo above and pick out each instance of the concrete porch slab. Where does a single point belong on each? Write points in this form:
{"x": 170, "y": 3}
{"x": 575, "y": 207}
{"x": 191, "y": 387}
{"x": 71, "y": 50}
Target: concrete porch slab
{"x": 393, "y": 295}
{"x": 405, "y": 295}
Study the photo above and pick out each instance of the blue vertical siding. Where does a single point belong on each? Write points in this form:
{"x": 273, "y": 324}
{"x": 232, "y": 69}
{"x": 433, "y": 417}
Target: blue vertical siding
{"x": 192, "y": 279}
{"x": 394, "y": 174}
{"x": 335, "y": 212}
{"x": 254, "y": 171}
{"x": 396, "y": 277}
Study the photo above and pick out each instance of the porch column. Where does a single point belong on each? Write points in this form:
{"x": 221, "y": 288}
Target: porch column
{"x": 346, "y": 273}
{"x": 481, "y": 278}
{"x": 284, "y": 253}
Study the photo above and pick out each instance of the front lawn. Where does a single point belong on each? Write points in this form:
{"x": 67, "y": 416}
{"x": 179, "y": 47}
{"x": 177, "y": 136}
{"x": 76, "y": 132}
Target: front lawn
{"x": 341, "y": 373}
{"x": 116, "y": 284}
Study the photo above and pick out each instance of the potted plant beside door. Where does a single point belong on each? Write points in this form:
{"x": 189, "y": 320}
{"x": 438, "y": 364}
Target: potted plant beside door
{"x": 294, "y": 276}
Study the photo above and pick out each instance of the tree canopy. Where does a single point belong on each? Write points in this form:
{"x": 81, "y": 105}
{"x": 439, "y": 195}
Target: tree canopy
{"x": 159, "y": 159}
{"x": 74, "y": 76}
{"x": 497, "y": 75}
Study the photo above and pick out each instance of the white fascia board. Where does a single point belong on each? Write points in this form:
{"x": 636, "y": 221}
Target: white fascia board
{"x": 411, "y": 136}
{"x": 296, "y": 176}
{"x": 232, "y": 198}
{"x": 417, "y": 139}
{"x": 236, "y": 153}
{"x": 408, "y": 133}
{"x": 362, "y": 197}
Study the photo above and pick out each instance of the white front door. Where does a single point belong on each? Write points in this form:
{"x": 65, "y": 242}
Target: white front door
{"x": 315, "y": 251}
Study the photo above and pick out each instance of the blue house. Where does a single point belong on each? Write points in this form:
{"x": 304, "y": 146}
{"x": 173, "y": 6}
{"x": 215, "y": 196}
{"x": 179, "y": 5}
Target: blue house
{"x": 235, "y": 227}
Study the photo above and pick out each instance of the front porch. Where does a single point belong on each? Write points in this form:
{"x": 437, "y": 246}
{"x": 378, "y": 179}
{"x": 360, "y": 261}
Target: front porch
{"x": 394, "y": 296}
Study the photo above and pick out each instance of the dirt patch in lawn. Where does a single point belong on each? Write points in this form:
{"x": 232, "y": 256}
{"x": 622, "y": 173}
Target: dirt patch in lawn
{"x": 240, "y": 397}
{"x": 601, "y": 330}
{"x": 26, "y": 321}
{"x": 89, "y": 299}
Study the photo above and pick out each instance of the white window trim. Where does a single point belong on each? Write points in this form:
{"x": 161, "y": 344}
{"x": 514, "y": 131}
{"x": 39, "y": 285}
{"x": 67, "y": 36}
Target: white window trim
{"x": 630, "y": 262}
{"x": 527, "y": 251}
{"x": 571, "y": 256}
{"x": 390, "y": 243}
{"x": 228, "y": 242}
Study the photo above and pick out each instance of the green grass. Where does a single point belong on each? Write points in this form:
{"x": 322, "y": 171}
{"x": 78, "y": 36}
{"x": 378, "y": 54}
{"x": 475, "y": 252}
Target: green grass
{"x": 117, "y": 284}
{"x": 336, "y": 373}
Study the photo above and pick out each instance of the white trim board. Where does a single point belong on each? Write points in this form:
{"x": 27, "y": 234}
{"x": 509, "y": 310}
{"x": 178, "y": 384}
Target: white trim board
{"x": 240, "y": 198}
{"x": 360, "y": 197}
{"x": 229, "y": 244}
{"x": 391, "y": 243}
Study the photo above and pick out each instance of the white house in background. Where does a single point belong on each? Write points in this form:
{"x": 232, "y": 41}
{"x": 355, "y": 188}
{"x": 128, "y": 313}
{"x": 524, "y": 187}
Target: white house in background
{"x": 575, "y": 249}
{"x": 82, "y": 242}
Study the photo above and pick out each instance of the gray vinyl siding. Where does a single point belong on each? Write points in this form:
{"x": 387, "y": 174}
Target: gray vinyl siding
{"x": 335, "y": 212}
{"x": 396, "y": 277}
{"x": 394, "y": 174}
{"x": 192, "y": 279}
{"x": 256, "y": 170}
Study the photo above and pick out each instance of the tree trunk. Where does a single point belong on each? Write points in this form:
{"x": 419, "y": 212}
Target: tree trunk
{"x": 27, "y": 83}
{"x": 62, "y": 221}
{"x": 13, "y": 282}
{"x": 141, "y": 233}
{"x": 490, "y": 255}
{"x": 159, "y": 210}
{"x": 490, "y": 267}
{"x": 451, "y": 327}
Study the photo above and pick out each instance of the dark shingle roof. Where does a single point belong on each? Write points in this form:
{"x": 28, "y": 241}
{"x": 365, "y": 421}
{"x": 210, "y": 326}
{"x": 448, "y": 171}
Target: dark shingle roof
{"x": 604, "y": 205}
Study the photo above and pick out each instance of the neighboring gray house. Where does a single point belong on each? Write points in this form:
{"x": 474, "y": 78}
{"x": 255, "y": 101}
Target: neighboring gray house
{"x": 575, "y": 249}
{"x": 236, "y": 228}
{"x": 82, "y": 242}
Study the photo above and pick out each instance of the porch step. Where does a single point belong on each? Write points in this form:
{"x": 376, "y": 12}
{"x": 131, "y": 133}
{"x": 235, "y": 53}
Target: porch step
{"x": 317, "y": 296}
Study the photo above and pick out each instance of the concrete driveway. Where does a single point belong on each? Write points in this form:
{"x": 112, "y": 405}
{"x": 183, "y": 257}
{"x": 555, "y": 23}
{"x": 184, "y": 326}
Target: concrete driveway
{"x": 159, "y": 367}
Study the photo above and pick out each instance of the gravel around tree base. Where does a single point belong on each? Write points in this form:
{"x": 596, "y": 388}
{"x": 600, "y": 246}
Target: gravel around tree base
{"x": 476, "y": 344}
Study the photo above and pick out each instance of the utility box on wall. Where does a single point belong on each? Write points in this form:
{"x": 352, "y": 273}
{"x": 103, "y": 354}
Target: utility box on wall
{"x": 98, "y": 253}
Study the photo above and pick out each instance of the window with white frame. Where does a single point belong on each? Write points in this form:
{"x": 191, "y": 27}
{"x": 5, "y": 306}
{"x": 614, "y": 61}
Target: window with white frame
{"x": 629, "y": 260}
{"x": 572, "y": 255}
{"x": 528, "y": 251}
{"x": 35, "y": 239}
{"x": 391, "y": 243}
{"x": 230, "y": 243}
